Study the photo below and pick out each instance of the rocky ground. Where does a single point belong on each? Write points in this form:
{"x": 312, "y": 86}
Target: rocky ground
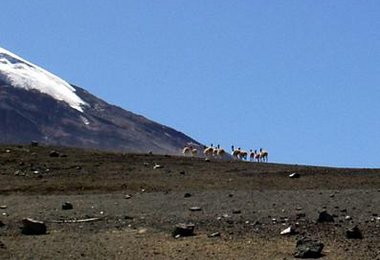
{"x": 125, "y": 206}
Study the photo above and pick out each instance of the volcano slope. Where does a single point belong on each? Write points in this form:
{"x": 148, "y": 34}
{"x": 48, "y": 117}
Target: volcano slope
{"x": 249, "y": 204}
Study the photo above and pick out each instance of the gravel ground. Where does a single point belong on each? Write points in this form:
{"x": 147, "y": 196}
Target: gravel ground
{"x": 249, "y": 204}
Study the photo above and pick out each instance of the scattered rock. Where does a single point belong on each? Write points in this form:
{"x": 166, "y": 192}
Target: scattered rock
{"x": 300, "y": 215}
{"x": 54, "y": 154}
{"x": 34, "y": 143}
{"x": 236, "y": 211}
{"x": 354, "y": 233}
{"x": 3, "y": 207}
{"x": 325, "y": 217}
{"x": 288, "y": 231}
{"x": 1, "y": 224}
{"x": 127, "y": 196}
{"x": 183, "y": 230}
{"x": 294, "y": 175}
{"x": 195, "y": 209}
{"x": 187, "y": 195}
{"x": 308, "y": 248}
{"x": 182, "y": 172}
{"x": 157, "y": 166}
{"x": 230, "y": 195}
{"x": 207, "y": 160}
{"x": 348, "y": 218}
{"x": 2, "y": 246}
{"x": 33, "y": 227}
{"x": 67, "y": 206}
{"x": 142, "y": 231}
{"x": 215, "y": 234}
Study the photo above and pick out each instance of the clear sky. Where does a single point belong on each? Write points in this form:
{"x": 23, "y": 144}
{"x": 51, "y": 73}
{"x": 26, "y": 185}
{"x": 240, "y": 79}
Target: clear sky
{"x": 298, "y": 78}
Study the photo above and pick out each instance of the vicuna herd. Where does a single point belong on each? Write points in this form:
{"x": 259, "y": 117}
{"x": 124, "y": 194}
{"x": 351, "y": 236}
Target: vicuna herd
{"x": 219, "y": 153}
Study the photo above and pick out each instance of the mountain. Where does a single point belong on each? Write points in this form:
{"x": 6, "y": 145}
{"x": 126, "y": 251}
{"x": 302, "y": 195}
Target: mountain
{"x": 37, "y": 105}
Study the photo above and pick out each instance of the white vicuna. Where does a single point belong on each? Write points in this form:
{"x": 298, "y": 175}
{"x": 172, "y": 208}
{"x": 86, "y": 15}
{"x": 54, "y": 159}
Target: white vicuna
{"x": 20, "y": 73}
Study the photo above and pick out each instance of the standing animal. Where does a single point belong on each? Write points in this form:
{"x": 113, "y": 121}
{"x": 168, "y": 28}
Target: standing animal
{"x": 187, "y": 151}
{"x": 235, "y": 152}
{"x": 243, "y": 155}
{"x": 208, "y": 151}
{"x": 252, "y": 155}
{"x": 263, "y": 155}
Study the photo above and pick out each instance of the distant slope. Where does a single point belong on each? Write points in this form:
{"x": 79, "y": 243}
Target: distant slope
{"x": 37, "y": 105}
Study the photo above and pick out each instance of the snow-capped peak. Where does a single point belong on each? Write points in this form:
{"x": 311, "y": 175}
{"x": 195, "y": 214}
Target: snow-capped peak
{"x": 20, "y": 73}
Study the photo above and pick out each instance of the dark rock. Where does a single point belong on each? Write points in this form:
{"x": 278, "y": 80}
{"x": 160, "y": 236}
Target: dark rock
{"x": 183, "y": 230}
{"x": 236, "y": 211}
{"x": 67, "y": 206}
{"x": 325, "y": 217}
{"x": 187, "y": 195}
{"x": 300, "y": 215}
{"x": 354, "y": 233}
{"x": 182, "y": 172}
{"x": 34, "y": 143}
{"x": 54, "y": 154}
{"x": 294, "y": 175}
{"x": 308, "y": 248}
{"x": 1, "y": 224}
{"x": 33, "y": 227}
{"x": 2, "y": 246}
{"x": 230, "y": 195}
{"x": 195, "y": 209}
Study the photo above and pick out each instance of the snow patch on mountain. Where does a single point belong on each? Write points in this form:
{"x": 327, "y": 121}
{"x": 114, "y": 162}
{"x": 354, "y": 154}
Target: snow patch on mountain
{"x": 20, "y": 73}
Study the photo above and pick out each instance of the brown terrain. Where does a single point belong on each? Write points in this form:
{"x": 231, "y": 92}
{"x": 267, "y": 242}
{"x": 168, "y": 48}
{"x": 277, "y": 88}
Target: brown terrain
{"x": 130, "y": 207}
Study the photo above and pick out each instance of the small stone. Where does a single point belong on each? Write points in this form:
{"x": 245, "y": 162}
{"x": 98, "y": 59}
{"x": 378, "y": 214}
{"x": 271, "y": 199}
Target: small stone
{"x": 158, "y": 166}
{"x": 3, "y": 207}
{"x": 195, "y": 209}
{"x": 325, "y": 217}
{"x": 236, "y": 211}
{"x": 288, "y": 231}
{"x": 348, "y": 218}
{"x": 33, "y": 227}
{"x": 230, "y": 195}
{"x": 215, "y": 234}
{"x": 183, "y": 230}
{"x": 354, "y": 233}
{"x": 54, "y": 154}
{"x": 187, "y": 195}
{"x": 127, "y": 196}
{"x": 67, "y": 206}
{"x": 294, "y": 175}
{"x": 34, "y": 143}
{"x": 142, "y": 231}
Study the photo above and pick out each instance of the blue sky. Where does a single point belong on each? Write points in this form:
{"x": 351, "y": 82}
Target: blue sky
{"x": 299, "y": 78}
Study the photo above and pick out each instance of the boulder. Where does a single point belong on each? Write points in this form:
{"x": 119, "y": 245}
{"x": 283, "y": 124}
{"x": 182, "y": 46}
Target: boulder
{"x": 33, "y": 227}
{"x": 187, "y": 195}
{"x": 183, "y": 230}
{"x": 308, "y": 248}
{"x": 354, "y": 233}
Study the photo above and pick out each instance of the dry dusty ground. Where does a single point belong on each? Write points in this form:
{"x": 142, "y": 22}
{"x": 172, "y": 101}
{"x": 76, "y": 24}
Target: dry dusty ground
{"x": 248, "y": 203}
